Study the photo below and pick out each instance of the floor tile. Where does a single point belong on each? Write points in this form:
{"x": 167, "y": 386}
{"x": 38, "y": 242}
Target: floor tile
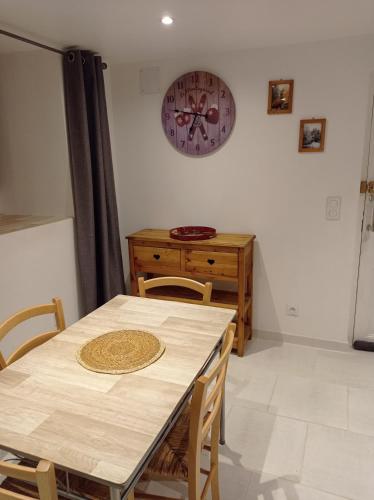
{"x": 340, "y": 462}
{"x": 255, "y": 392}
{"x": 259, "y": 441}
{"x": 310, "y": 400}
{"x": 163, "y": 488}
{"x": 276, "y": 357}
{"x": 4, "y": 455}
{"x": 268, "y": 487}
{"x": 352, "y": 368}
{"x": 234, "y": 482}
{"x": 361, "y": 410}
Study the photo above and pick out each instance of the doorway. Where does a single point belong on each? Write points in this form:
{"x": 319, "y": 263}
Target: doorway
{"x": 364, "y": 316}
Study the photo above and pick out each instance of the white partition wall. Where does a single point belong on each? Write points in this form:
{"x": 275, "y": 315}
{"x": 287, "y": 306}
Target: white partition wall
{"x": 37, "y": 264}
{"x": 258, "y": 181}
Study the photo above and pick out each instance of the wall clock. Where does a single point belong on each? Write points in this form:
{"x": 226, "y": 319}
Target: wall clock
{"x": 198, "y": 113}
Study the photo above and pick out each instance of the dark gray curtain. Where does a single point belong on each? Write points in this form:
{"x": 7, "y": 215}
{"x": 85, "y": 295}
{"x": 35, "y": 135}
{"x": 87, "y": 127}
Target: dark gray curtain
{"x": 98, "y": 241}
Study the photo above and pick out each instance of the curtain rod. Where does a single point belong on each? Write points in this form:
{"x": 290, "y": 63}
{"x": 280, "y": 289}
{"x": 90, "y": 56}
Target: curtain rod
{"x": 37, "y": 44}
{"x": 31, "y": 42}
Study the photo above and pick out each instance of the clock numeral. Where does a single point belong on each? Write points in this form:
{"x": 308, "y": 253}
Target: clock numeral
{"x": 172, "y": 133}
{"x": 212, "y": 142}
{"x": 180, "y": 85}
{"x": 228, "y": 111}
{"x": 170, "y": 98}
{"x": 223, "y": 94}
{"x": 210, "y": 82}
{"x": 223, "y": 130}
{"x": 183, "y": 142}
{"x": 167, "y": 116}
{"x": 197, "y": 147}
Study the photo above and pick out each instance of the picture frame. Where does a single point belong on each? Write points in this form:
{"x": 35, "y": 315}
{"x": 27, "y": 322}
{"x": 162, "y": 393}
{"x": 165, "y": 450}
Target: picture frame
{"x": 280, "y": 97}
{"x": 312, "y": 135}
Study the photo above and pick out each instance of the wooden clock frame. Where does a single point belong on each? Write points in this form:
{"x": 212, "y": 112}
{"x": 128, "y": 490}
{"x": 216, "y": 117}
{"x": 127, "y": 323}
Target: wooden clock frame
{"x": 198, "y": 113}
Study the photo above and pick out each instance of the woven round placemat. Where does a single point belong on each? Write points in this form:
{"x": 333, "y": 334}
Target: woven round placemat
{"x": 123, "y": 351}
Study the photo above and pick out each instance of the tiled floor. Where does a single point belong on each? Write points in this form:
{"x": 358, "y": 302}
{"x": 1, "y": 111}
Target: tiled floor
{"x": 300, "y": 425}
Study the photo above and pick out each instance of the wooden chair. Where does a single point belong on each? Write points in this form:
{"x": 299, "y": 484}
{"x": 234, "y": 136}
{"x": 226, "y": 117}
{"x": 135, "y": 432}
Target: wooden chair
{"x": 43, "y": 477}
{"x": 179, "y": 457}
{"x": 204, "y": 290}
{"x": 54, "y": 308}
{"x": 24, "y": 482}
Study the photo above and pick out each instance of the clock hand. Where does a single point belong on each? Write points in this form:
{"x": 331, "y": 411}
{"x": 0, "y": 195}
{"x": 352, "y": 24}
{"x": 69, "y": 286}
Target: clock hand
{"x": 211, "y": 116}
{"x": 193, "y": 114}
{"x": 186, "y": 112}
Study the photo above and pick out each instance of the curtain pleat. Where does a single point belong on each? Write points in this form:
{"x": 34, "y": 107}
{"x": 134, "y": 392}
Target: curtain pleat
{"x": 96, "y": 216}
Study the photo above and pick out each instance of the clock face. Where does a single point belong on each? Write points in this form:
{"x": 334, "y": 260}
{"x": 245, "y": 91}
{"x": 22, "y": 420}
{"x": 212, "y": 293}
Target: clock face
{"x": 198, "y": 113}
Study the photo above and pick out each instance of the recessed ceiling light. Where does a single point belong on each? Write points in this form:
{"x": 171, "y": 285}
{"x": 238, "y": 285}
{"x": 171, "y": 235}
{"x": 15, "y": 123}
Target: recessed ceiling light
{"x": 167, "y": 20}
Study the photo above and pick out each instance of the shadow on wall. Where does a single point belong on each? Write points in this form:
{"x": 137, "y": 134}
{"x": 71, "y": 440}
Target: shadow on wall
{"x": 263, "y": 305}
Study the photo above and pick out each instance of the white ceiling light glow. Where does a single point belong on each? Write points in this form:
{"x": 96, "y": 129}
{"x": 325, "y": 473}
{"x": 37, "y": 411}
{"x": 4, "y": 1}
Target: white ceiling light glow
{"x": 167, "y": 20}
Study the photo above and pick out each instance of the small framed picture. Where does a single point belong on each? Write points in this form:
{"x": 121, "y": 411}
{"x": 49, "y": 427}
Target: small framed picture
{"x": 312, "y": 135}
{"x": 280, "y": 97}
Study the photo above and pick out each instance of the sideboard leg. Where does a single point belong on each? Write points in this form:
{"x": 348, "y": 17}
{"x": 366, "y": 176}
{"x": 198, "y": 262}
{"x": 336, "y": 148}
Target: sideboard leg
{"x": 250, "y": 291}
{"x": 241, "y": 303}
{"x": 134, "y": 281}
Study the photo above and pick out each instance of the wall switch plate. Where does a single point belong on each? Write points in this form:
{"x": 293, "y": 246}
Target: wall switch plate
{"x": 292, "y": 310}
{"x": 333, "y": 206}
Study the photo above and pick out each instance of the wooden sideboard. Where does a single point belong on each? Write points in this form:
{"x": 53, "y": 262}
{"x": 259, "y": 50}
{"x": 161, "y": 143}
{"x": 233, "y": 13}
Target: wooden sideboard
{"x": 225, "y": 258}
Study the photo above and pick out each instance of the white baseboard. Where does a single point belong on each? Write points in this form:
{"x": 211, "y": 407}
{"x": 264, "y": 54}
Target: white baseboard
{"x": 297, "y": 339}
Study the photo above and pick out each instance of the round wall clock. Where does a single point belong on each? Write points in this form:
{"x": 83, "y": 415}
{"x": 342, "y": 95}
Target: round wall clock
{"x": 198, "y": 113}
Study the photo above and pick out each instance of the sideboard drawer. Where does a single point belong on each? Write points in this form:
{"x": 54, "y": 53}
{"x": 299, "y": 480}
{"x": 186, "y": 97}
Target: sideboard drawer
{"x": 214, "y": 263}
{"x": 154, "y": 258}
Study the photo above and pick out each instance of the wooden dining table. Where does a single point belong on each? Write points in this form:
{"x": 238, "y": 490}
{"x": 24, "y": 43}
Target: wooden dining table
{"x": 99, "y": 426}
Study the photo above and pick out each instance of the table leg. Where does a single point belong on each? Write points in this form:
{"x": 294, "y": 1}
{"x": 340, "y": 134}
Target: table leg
{"x": 115, "y": 493}
{"x": 222, "y": 435}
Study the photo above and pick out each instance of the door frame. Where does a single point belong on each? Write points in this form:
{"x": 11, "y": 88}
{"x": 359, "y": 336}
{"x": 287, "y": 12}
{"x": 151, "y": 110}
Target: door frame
{"x": 368, "y": 145}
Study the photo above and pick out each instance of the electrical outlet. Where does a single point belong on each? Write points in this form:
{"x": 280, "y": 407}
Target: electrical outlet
{"x": 292, "y": 310}
{"x": 333, "y": 205}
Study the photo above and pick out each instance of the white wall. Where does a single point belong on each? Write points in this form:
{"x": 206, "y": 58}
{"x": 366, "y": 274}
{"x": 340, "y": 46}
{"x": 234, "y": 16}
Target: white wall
{"x": 34, "y": 159}
{"x": 258, "y": 182}
{"x": 36, "y": 265}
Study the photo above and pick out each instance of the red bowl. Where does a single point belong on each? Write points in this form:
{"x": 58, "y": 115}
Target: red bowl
{"x": 191, "y": 233}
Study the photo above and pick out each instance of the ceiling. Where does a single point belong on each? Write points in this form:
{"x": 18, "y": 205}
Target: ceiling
{"x": 130, "y": 30}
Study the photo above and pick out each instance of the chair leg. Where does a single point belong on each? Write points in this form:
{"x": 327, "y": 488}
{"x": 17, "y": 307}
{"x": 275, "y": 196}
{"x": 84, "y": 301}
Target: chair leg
{"x": 214, "y": 458}
{"x": 193, "y": 489}
{"x": 215, "y": 484}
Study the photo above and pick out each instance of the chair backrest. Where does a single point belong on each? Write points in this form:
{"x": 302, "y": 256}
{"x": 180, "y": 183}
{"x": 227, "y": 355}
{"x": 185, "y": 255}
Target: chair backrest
{"x": 205, "y": 415}
{"x": 43, "y": 476}
{"x": 204, "y": 290}
{"x": 54, "y": 308}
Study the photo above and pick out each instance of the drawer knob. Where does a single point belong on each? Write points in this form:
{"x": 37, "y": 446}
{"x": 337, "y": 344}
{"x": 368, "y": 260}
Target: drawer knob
{"x": 211, "y": 261}
{"x": 156, "y": 256}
